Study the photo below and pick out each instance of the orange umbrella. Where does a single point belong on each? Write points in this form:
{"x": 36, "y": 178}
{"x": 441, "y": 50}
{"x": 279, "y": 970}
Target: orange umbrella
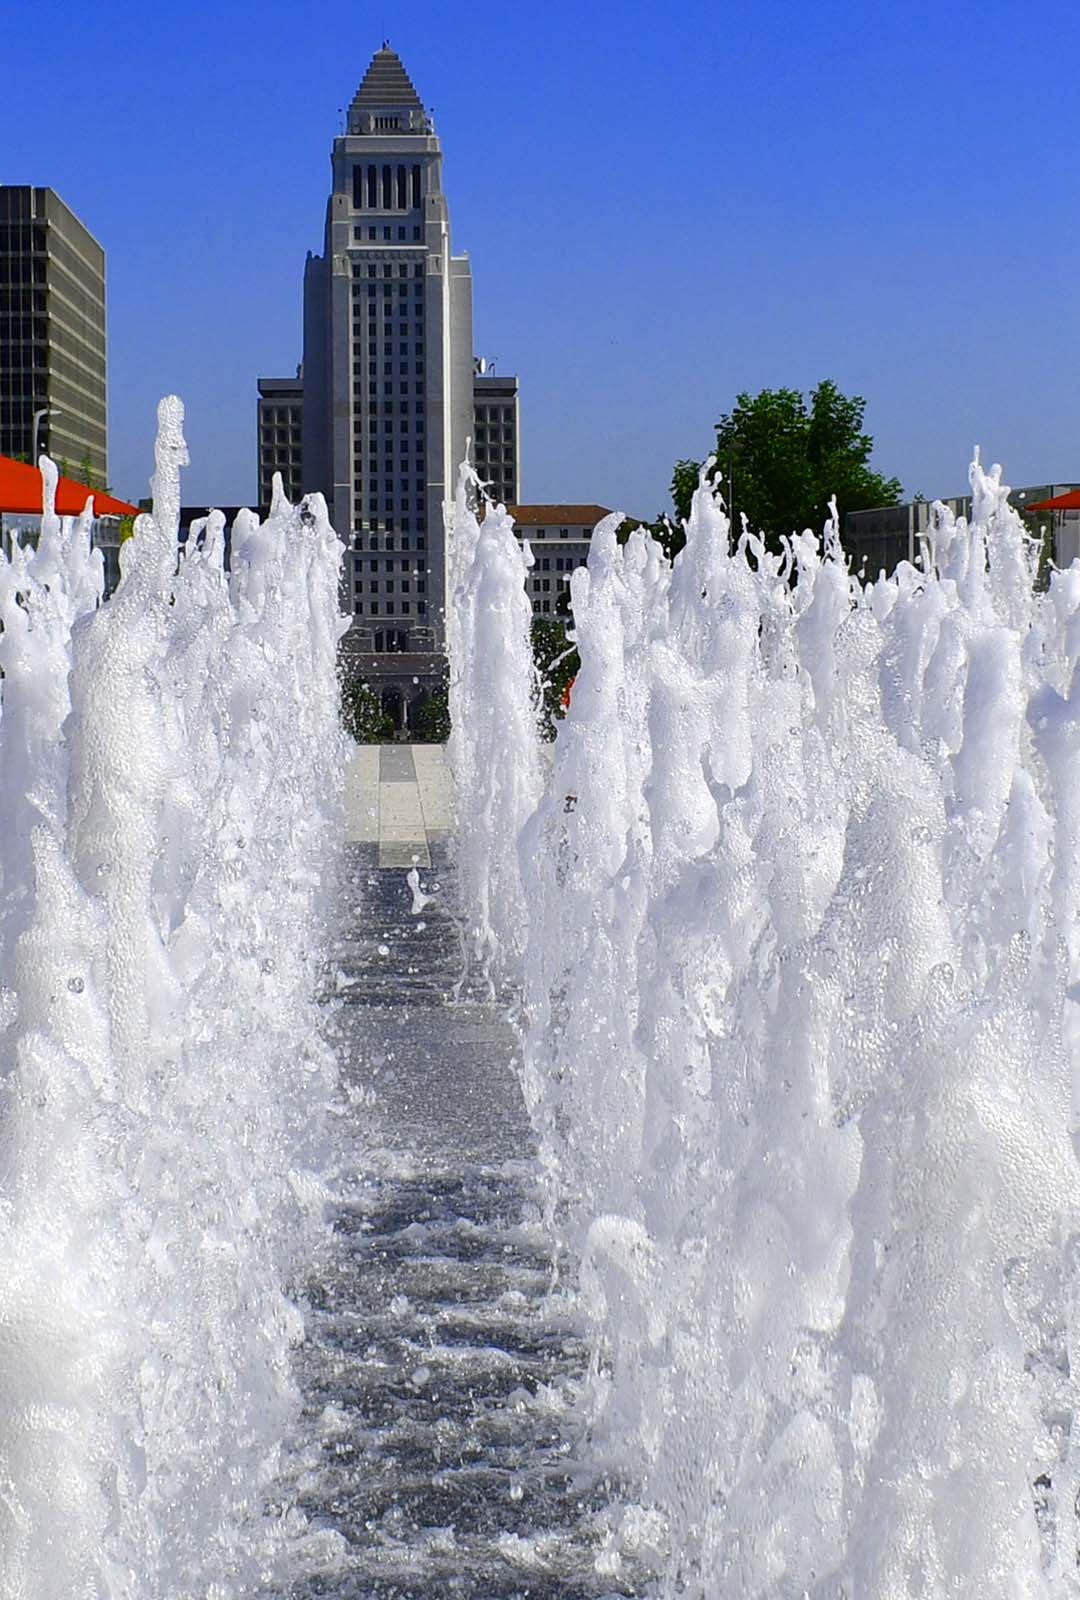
{"x": 1060, "y": 502}
{"x": 20, "y": 490}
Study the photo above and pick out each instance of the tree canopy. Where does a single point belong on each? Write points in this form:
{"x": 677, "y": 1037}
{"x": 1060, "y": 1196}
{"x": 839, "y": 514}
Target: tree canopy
{"x": 780, "y": 460}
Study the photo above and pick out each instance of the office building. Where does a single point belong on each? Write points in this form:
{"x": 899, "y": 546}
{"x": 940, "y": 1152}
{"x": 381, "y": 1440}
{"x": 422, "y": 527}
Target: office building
{"x": 388, "y": 366}
{"x": 496, "y": 435}
{"x": 388, "y": 393}
{"x": 52, "y": 334}
{"x": 280, "y": 424}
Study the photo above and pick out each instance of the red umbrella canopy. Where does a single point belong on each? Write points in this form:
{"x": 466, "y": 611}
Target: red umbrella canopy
{"x": 20, "y": 490}
{"x": 1060, "y": 502}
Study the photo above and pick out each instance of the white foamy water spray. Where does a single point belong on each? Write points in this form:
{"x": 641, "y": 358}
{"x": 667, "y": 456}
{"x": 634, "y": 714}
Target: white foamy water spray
{"x": 172, "y": 775}
{"x": 801, "y": 978}
{"x": 494, "y": 746}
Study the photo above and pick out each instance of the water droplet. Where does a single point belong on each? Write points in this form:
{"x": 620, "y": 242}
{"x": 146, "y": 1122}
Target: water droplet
{"x": 384, "y": 949}
{"x": 76, "y": 985}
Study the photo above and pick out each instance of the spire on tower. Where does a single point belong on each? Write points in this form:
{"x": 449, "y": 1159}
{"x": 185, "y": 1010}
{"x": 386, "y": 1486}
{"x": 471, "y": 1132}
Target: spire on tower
{"x": 386, "y": 84}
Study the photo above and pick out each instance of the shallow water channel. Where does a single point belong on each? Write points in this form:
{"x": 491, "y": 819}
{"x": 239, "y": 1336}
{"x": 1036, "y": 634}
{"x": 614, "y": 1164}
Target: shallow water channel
{"x": 440, "y": 1368}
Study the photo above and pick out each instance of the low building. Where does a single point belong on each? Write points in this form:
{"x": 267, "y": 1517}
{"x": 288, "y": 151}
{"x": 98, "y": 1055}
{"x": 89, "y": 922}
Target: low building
{"x": 560, "y": 537}
{"x": 280, "y": 422}
{"x": 878, "y": 540}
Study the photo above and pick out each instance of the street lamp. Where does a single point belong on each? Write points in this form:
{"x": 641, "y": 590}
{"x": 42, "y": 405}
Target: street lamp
{"x": 46, "y": 411}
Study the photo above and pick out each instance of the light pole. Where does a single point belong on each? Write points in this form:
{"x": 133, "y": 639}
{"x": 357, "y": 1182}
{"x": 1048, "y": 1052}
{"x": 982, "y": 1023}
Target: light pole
{"x": 735, "y": 448}
{"x": 46, "y": 411}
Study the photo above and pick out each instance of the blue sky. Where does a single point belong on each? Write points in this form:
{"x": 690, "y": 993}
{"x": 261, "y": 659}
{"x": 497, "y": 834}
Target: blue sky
{"x": 661, "y": 209}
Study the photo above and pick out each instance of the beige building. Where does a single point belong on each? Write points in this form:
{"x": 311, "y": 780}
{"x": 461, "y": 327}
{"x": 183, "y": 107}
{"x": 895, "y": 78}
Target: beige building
{"x": 559, "y": 537}
{"x": 52, "y": 334}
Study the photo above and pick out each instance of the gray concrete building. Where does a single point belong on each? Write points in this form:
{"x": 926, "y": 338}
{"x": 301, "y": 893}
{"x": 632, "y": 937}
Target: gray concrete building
{"x": 388, "y": 378}
{"x": 52, "y": 333}
{"x": 878, "y": 540}
{"x": 497, "y": 435}
{"x": 280, "y": 425}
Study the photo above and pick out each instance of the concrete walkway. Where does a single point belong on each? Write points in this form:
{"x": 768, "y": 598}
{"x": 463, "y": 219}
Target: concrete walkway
{"x": 398, "y": 798}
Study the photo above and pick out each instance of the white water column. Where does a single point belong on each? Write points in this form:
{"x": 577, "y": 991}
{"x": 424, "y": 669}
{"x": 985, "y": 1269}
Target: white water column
{"x": 801, "y": 993}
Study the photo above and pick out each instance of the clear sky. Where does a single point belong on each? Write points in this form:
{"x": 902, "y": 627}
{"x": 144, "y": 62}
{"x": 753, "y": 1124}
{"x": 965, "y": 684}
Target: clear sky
{"x": 661, "y": 207}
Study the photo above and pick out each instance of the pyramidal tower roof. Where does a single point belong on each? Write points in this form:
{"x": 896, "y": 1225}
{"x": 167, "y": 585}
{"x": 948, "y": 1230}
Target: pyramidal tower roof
{"x": 386, "y": 83}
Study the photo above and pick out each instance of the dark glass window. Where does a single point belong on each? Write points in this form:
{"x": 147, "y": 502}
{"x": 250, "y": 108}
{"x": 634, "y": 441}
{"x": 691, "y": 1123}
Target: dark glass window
{"x": 416, "y": 185}
{"x": 387, "y": 196}
{"x": 358, "y": 189}
{"x": 372, "y": 191}
{"x": 402, "y": 201}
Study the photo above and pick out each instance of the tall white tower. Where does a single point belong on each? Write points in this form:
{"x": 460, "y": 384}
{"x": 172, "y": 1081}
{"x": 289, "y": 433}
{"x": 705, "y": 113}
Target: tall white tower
{"x": 388, "y": 367}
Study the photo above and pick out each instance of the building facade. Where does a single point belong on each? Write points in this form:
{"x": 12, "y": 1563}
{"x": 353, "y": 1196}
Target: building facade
{"x": 560, "y": 537}
{"x": 878, "y": 540}
{"x": 497, "y": 435}
{"x": 280, "y": 431}
{"x": 388, "y": 370}
{"x": 52, "y": 333}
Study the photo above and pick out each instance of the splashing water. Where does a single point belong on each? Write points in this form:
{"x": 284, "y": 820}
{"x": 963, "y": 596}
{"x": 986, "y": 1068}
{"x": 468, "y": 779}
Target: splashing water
{"x": 493, "y": 748}
{"x": 801, "y": 974}
{"x": 172, "y": 774}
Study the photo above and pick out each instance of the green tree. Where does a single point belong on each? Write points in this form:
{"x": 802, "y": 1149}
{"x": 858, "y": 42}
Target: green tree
{"x": 557, "y": 662}
{"x": 781, "y": 460}
{"x": 362, "y": 713}
{"x": 431, "y": 719}
{"x": 684, "y": 480}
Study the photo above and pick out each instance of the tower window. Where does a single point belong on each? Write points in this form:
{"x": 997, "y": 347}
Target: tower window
{"x": 372, "y": 190}
{"x": 387, "y": 187}
{"x": 401, "y": 198}
{"x": 416, "y": 185}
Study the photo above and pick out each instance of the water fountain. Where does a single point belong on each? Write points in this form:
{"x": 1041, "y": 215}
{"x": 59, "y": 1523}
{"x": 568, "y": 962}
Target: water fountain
{"x": 172, "y": 765}
{"x": 791, "y": 921}
{"x": 801, "y": 1047}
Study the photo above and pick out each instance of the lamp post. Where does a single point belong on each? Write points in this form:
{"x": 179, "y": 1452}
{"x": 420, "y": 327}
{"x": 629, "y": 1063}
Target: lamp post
{"x": 45, "y": 411}
{"x": 735, "y": 448}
